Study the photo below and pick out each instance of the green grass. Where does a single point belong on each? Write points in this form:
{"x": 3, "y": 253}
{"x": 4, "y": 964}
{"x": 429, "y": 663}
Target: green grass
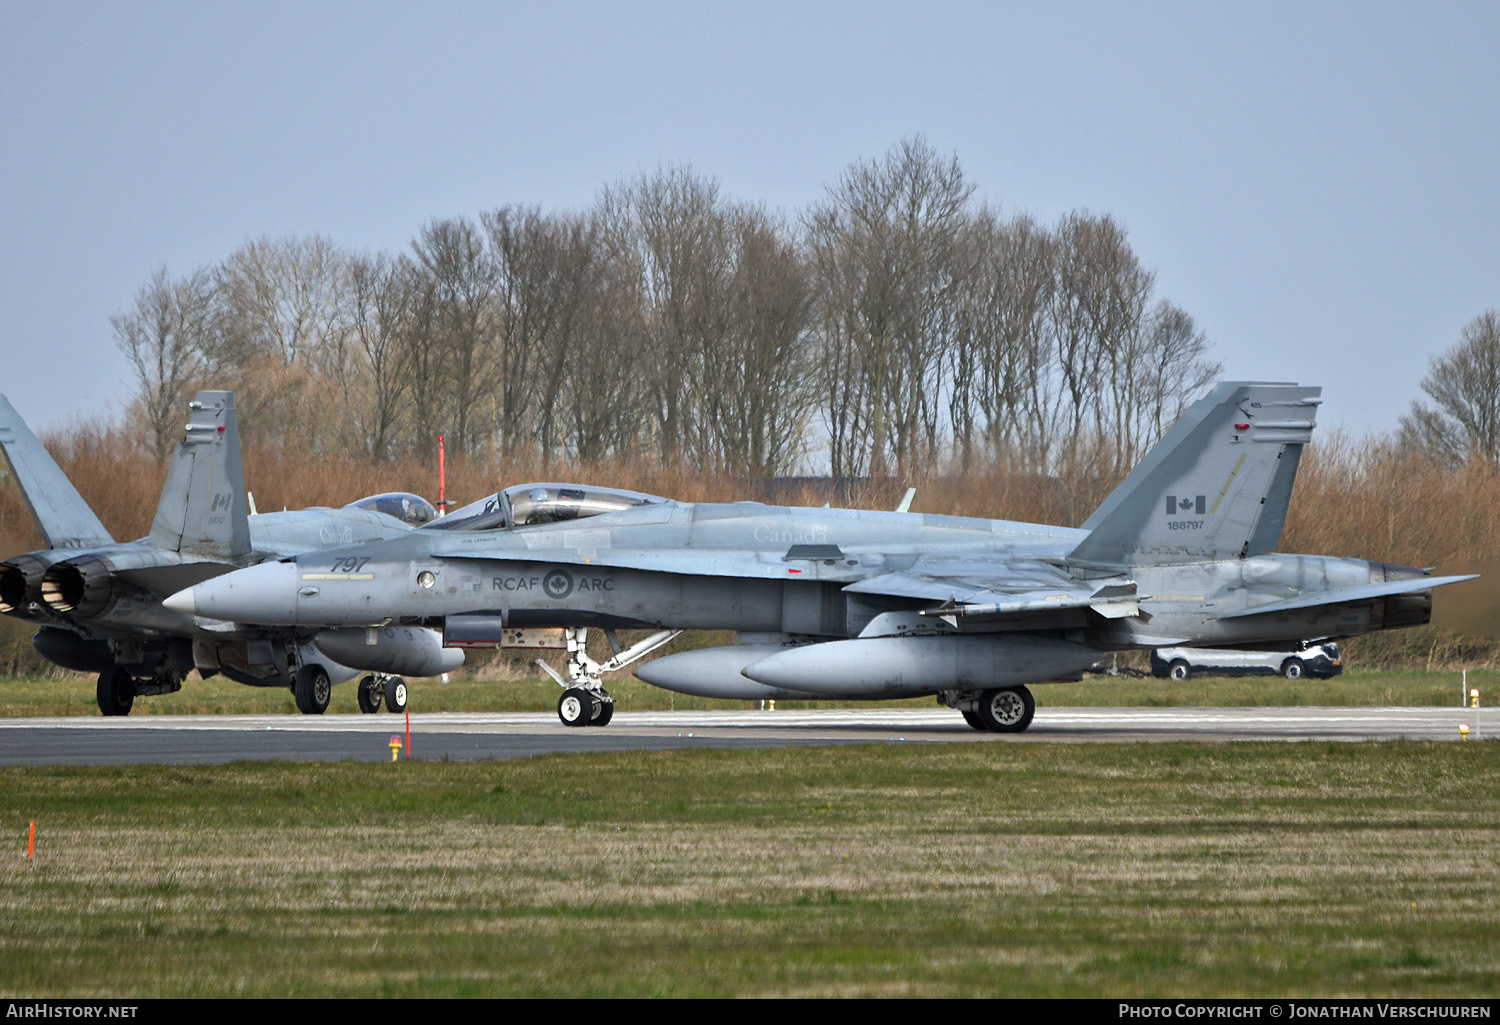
{"x": 1182, "y": 870}
{"x": 217, "y": 696}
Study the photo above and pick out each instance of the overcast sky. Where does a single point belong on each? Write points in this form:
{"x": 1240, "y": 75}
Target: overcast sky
{"x": 1318, "y": 184}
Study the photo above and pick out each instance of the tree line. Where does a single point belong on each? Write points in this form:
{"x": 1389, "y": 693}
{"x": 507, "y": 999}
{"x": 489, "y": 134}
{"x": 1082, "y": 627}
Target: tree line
{"x": 895, "y": 324}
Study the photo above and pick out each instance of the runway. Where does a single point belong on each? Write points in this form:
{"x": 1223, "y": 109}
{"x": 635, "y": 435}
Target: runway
{"x": 203, "y": 740}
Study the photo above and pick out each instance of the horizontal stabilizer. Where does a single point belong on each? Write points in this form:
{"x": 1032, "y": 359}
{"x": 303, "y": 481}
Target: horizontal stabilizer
{"x": 1344, "y": 595}
{"x": 61, "y": 514}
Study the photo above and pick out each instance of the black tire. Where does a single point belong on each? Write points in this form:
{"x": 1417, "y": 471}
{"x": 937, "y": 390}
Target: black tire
{"x": 370, "y": 692}
{"x": 395, "y": 695}
{"x": 1006, "y": 711}
{"x": 972, "y": 718}
{"x": 1179, "y": 670}
{"x": 116, "y": 692}
{"x": 605, "y": 714}
{"x": 312, "y": 689}
{"x": 1293, "y": 669}
{"x": 575, "y": 707}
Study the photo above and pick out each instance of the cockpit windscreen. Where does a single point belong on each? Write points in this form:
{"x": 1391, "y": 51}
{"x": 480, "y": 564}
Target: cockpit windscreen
{"x": 558, "y": 503}
{"x": 530, "y": 504}
{"x": 402, "y": 505}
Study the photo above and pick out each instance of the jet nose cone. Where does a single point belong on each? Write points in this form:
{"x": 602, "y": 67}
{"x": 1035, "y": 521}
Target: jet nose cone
{"x": 260, "y": 594}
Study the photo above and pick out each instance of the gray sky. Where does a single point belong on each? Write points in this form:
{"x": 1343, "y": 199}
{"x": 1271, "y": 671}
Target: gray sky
{"x": 1318, "y": 184}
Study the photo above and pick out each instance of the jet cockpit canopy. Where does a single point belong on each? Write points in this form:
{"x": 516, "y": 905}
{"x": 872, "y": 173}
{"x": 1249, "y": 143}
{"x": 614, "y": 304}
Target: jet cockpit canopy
{"x": 526, "y": 505}
{"x": 402, "y": 505}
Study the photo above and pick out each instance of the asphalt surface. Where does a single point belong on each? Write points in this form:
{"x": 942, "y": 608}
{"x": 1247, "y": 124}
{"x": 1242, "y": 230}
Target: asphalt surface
{"x": 202, "y": 740}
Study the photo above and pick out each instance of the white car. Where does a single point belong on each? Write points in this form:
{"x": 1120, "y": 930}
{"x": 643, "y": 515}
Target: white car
{"x": 1314, "y": 658}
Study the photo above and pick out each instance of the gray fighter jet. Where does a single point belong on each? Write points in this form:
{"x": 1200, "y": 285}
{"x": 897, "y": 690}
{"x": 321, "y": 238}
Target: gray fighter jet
{"x": 98, "y": 602}
{"x": 849, "y": 604}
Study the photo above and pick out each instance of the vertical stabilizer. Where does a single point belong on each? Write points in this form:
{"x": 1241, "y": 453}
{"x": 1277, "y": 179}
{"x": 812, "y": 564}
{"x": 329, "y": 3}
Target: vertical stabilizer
{"x": 1215, "y": 487}
{"x": 202, "y": 508}
{"x": 61, "y": 514}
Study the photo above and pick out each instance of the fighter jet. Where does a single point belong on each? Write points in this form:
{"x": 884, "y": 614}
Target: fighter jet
{"x": 98, "y": 602}
{"x": 851, "y": 604}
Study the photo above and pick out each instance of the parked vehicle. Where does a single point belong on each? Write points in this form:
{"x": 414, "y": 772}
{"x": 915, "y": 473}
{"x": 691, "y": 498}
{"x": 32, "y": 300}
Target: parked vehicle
{"x": 1319, "y": 659}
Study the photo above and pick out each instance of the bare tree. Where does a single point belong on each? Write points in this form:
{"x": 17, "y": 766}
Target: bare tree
{"x": 282, "y": 326}
{"x": 1464, "y": 385}
{"x": 281, "y": 298}
{"x": 886, "y": 251}
{"x": 545, "y": 266}
{"x": 1003, "y": 396}
{"x": 382, "y": 298}
{"x": 1174, "y": 369}
{"x": 671, "y": 229}
{"x": 601, "y": 401}
{"x": 422, "y": 359}
{"x": 456, "y": 261}
{"x": 1101, "y": 300}
{"x": 756, "y": 398}
{"x": 164, "y": 333}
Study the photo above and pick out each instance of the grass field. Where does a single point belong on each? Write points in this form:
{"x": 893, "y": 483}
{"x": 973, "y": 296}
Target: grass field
{"x": 1170, "y": 870}
{"x": 891, "y": 870}
{"x": 217, "y": 696}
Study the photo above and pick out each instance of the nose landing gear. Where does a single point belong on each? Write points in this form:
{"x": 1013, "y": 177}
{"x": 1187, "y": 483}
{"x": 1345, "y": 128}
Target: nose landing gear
{"x": 584, "y": 700}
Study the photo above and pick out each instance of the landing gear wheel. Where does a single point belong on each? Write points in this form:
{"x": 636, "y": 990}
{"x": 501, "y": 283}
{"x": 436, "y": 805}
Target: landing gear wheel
{"x": 1293, "y": 669}
{"x": 369, "y": 695}
{"x": 605, "y": 714}
{"x": 312, "y": 689}
{"x": 395, "y": 695}
{"x": 575, "y": 707}
{"x": 1006, "y": 711}
{"x": 972, "y": 718}
{"x": 116, "y": 691}
{"x": 1179, "y": 670}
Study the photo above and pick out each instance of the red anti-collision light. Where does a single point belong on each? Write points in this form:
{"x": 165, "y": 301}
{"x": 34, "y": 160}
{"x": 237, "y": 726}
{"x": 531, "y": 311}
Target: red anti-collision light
{"x": 1238, "y": 427}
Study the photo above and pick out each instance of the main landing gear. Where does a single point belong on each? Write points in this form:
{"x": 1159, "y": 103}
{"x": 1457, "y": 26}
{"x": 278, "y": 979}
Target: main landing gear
{"x": 117, "y": 689}
{"x": 584, "y": 700}
{"x": 313, "y": 690}
{"x": 378, "y": 688}
{"x": 1007, "y": 710}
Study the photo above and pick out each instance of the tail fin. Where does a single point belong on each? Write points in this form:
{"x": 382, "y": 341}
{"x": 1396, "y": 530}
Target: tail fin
{"x": 202, "y": 507}
{"x": 61, "y": 514}
{"x": 1215, "y": 487}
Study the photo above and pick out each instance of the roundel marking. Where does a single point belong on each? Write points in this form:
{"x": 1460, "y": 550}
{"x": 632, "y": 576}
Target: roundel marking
{"x": 558, "y": 584}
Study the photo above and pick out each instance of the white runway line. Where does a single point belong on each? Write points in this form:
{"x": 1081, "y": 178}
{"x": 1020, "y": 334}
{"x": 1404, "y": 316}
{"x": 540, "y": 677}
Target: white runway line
{"x": 1295, "y": 723}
